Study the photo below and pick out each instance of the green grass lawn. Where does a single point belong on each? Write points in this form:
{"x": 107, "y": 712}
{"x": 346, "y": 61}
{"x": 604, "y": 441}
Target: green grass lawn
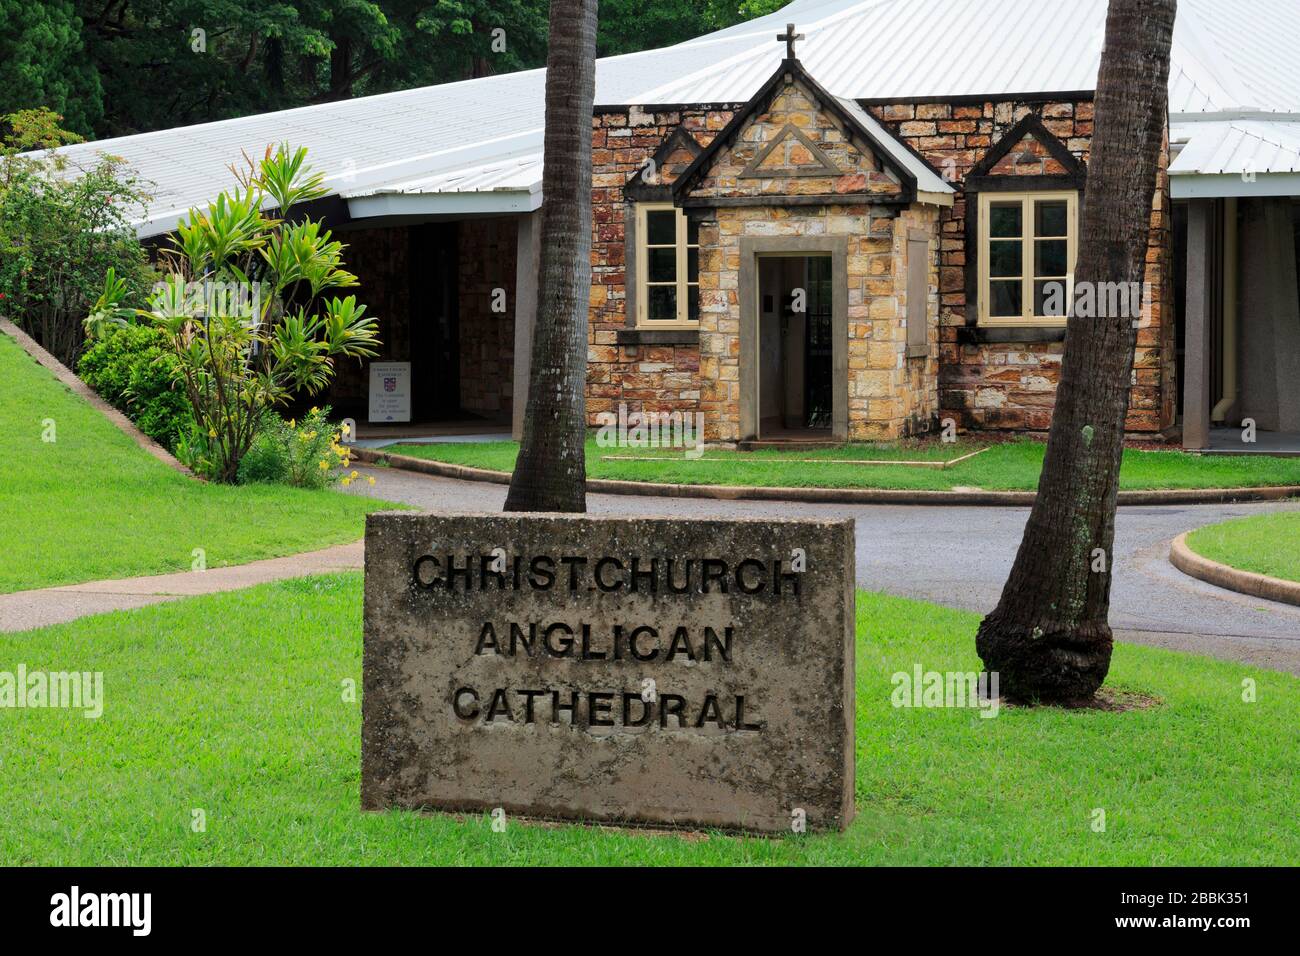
{"x": 1013, "y": 466}
{"x": 93, "y": 505}
{"x": 232, "y": 704}
{"x": 1266, "y": 544}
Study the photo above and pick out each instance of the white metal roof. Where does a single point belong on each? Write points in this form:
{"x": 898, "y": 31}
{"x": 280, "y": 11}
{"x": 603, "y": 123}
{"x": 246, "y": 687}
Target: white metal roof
{"x": 1236, "y": 155}
{"x": 457, "y": 138}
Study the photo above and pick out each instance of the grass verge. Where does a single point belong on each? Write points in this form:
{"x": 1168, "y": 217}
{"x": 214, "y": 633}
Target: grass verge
{"x": 90, "y": 504}
{"x": 232, "y": 704}
{"x": 1266, "y": 544}
{"x": 1012, "y": 466}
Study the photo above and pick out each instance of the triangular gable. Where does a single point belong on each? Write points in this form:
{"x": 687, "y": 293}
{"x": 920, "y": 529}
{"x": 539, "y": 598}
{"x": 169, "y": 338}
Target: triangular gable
{"x": 829, "y": 157}
{"x": 1028, "y": 149}
{"x": 673, "y": 157}
{"x": 791, "y": 153}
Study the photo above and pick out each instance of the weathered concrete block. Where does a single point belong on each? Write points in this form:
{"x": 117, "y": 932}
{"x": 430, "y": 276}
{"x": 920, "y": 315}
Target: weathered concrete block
{"x": 643, "y": 670}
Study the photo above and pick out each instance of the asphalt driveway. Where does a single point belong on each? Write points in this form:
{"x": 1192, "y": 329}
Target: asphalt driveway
{"x": 960, "y": 556}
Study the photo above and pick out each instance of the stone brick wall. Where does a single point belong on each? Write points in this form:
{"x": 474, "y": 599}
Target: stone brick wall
{"x": 1013, "y": 385}
{"x": 486, "y": 249}
{"x": 654, "y": 378}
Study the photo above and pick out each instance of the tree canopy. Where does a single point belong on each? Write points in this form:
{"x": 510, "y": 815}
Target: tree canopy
{"x": 115, "y": 67}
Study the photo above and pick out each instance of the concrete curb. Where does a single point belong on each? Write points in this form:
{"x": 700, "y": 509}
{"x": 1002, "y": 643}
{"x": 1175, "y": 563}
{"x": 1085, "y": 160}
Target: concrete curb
{"x": 1246, "y": 582}
{"x": 69, "y": 378}
{"x": 856, "y": 496}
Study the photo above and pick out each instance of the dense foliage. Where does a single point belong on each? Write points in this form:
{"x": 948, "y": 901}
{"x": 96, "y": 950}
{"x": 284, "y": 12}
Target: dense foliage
{"x": 122, "y": 66}
{"x": 62, "y": 227}
{"x": 246, "y": 309}
{"x": 305, "y": 454}
{"x": 132, "y": 368}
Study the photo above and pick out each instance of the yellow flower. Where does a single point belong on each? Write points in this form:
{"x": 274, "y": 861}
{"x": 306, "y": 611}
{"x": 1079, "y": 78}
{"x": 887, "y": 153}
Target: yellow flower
{"x": 212, "y": 433}
{"x": 347, "y": 429}
{"x": 345, "y": 482}
{"x": 324, "y": 465}
{"x": 313, "y": 410}
{"x": 293, "y": 423}
{"x": 370, "y": 478}
{"x": 355, "y": 475}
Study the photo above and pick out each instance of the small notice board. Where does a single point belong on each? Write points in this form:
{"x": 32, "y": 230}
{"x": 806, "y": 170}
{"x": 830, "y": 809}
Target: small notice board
{"x": 390, "y": 392}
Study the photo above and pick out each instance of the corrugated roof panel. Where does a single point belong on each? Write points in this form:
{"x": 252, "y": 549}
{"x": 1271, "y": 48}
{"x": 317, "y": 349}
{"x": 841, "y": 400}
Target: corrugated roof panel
{"x": 1225, "y": 56}
{"x": 1237, "y": 147}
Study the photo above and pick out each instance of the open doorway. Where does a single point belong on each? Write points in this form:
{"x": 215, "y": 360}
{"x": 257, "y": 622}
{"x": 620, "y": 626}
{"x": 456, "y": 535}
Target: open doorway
{"x": 796, "y": 374}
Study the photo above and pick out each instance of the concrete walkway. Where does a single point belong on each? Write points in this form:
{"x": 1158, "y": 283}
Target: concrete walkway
{"x": 27, "y": 609}
{"x": 960, "y": 557}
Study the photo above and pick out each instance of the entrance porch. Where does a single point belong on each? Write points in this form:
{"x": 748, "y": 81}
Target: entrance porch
{"x": 455, "y": 298}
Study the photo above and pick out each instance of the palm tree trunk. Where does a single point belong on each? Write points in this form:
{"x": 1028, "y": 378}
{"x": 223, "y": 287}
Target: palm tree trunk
{"x": 1049, "y": 638}
{"x": 550, "y": 473}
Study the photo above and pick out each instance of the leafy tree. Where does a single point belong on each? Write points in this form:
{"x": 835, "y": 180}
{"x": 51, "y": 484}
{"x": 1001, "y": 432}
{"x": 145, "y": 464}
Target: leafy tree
{"x": 62, "y": 227}
{"x": 244, "y": 308}
{"x": 1049, "y": 637}
{"x": 170, "y": 63}
{"x": 116, "y": 67}
{"x": 627, "y": 26}
{"x": 43, "y": 62}
{"x": 550, "y": 473}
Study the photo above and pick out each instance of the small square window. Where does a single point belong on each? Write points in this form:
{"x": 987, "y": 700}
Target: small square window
{"x": 661, "y": 227}
{"x": 1005, "y": 221}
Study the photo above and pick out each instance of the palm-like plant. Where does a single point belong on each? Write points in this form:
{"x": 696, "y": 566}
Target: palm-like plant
{"x": 245, "y": 307}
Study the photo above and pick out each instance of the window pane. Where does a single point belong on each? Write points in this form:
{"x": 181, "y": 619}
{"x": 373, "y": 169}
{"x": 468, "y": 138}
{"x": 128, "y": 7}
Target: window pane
{"x": 662, "y": 305}
{"x": 1005, "y": 299}
{"x": 692, "y": 232}
{"x": 1004, "y": 220}
{"x": 693, "y": 303}
{"x": 1006, "y": 258}
{"x": 1050, "y": 298}
{"x": 663, "y": 265}
{"x": 661, "y": 227}
{"x": 692, "y": 265}
{"x": 1050, "y": 257}
{"x": 1050, "y": 217}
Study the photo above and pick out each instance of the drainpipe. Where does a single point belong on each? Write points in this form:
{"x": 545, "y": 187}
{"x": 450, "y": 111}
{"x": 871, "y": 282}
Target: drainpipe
{"x": 1228, "y": 358}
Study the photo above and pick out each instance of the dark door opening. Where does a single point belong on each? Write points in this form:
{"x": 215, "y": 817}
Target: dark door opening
{"x": 433, "y": 318}
{"x": 818, "y": 375}
{"x": 796, "y": 376}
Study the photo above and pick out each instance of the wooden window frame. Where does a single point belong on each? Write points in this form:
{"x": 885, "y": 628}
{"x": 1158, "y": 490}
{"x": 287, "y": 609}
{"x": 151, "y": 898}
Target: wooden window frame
{"x": 1027, "y": 198}
{"x": 683, "y": 281}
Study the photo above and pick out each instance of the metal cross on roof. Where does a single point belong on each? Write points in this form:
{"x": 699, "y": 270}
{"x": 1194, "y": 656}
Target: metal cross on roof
{"x": 788, "y": 37}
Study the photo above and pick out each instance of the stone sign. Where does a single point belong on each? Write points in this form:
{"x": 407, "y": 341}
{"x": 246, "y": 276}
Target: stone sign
{"x": 642, "y": 670}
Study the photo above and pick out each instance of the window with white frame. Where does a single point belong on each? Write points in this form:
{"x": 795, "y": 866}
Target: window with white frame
{"x": 667, "y": 268}
{"x": 1027, "y": 248}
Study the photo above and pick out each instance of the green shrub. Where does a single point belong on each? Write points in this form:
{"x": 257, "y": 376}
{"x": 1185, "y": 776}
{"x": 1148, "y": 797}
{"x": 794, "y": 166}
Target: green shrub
{"x": 247, "y": 304}
{"x": 132, "y": 368}
{"x": 62, "y": 227}
{"x": 305, "y": 454}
